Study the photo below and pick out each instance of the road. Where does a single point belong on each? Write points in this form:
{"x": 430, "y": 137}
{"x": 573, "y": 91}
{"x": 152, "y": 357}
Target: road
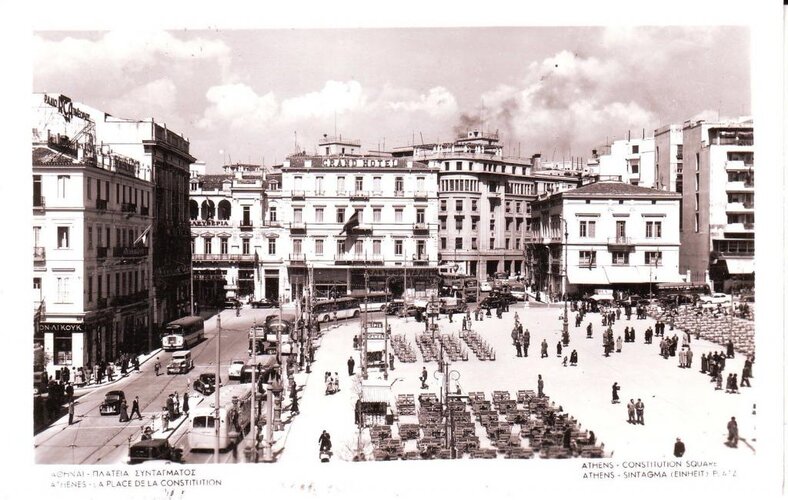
{"x": 97, "y": 439}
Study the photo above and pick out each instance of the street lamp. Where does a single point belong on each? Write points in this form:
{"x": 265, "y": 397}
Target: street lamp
{"x": 565, "y": 331}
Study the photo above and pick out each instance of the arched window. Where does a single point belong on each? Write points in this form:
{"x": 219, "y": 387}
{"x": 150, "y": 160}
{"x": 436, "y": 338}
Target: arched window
{"x": 225, "y": 210}
{"x": 208, "y": 210}
{"x": 194, "y": 210}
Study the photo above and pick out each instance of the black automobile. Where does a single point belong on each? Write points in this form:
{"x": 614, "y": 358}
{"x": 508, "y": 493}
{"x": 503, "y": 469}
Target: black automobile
{"x": 394, "y": 307}
{"x": 154, "y": 449}
{"x": 111, "y": 404}
{"x": 231, "y": 303}
{"x": 206, "y": 383}
{"x": 409, "y": 310}
{"x": 264, "y": 303}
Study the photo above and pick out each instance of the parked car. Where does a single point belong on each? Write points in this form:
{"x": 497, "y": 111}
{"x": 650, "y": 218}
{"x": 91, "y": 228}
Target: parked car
{"x": 206, "y": 383}
{"x": 451, "y": 304}
{"x": 231, "y": 303}
{"x": 111, "y": 404}
{"x": 518, "y": 291}
{"x": 715, "y": 298}
{"x": 408, "y": 310}
{"x": 394, "y": 307}
{"x": 234, "y": 370}
{"x": 154, "y": 449}
{"x": 264, "y": 303}
{"x": 486, "y": 286}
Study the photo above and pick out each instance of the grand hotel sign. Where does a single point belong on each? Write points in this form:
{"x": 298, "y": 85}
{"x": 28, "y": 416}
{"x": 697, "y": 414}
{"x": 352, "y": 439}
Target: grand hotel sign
{"x": 66, "y": 107}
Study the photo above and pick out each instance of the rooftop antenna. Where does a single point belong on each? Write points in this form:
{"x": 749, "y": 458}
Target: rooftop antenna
{"x": 335, "y": 123}
{"x": 422, "y": 137}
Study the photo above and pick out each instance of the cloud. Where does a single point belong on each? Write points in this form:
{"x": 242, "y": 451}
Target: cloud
{"x": 239, "y": 106}
{"x": 334, "y": 97}
{"x": 156, "y": 99}
{"x": 436, "y": 102}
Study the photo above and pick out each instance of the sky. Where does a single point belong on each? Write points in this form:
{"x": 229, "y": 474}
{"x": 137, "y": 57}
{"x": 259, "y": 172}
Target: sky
{"x": 259, "y": 95}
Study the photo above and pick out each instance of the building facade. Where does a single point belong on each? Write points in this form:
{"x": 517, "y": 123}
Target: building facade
{"x": 605, "y": 235}
{"x": 668, "y": 158}
{"x": 230, "y": 236}
{"x": 484, "y": 202}
{"x": 354, "y": 222}
{"x": 718, "y": 198}
{"x": 628, "y": 160}
{"x": 92, "y": 210}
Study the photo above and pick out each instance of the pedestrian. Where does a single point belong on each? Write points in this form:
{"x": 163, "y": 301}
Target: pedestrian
{"x": 619, "y": 344}
{"x": 544, "y": 348}
{"x": 124, "y": 416}
{"x": 573, "y": 358}
{"x": 170, "y": 405}
{"x": 678, "y": 448}
{"x": 733, "y": 433}
{"x": 423, "y": 378}
{"x": 718, "y": 380}
{"x": 589, "y": 331}
{"x": 336, "y": 382}
{"x": 391, "y": 361}
{"x": 186, "y": 403}
{"x": 540, "y": 386}
{"x": 744, "y": 378}
{"x": 355, "y": 342}
{"x": 734, "y": 383}
{"x": 682, "y": 359}
{"x": 294, "y": 410}
{"x": 558, "y": 349}
{"x": 639, "y": 408}
{"x": 703, "y": 363}
{"x": 69, "y": 392}
{"x": 157, "y": 366}
{"x": 688, "y": 357}
{"x": 566, "y": 358}
{"x": 631, "y": 411}
{"x": 526, "y": 342}
{"x": 70, "y": 412}
{"x": 518, "y": 347}
{"x": 729, "y": 348}
{"x": 616, "y": 388}
{"x": 135, "y": 408}
{"x": 136, "y": 363}
{"x": 350, "y": 366}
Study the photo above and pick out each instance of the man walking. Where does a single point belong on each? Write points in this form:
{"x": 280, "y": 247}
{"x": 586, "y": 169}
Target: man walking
{"x": 639, "y": 406}
{"x": 540, "y": 386}
{"x": 350, "y": 366}
{"x": 678, "y": 448}
{"x": 544, "y": 348}
{"x": 526, "y": 342}
{"x": 733, "y": 433}
{"x": 71, "y": 412}
{"x": 631, "y": 411}
{"x": 157, "y": 367}
{"x": 423, "y": 378}
{"x": 135, "y": 408}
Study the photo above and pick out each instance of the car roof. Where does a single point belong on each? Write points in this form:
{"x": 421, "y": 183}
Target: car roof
{"x": 150, "y": 443}
{"x": 237, "y": 361}
{"x": 115, "y": 393}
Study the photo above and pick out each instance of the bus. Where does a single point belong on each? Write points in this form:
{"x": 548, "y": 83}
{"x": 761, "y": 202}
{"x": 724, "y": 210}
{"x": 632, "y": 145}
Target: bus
{"x": 266, "y": 335}
{"x": 183, "y": 333}
{"x": 465, "y": 288}
{"x": 674, "y": 291}
{"x": 232, "y": 399}
{"x": 344, "y": 307}
{"x": 372, "y": 301}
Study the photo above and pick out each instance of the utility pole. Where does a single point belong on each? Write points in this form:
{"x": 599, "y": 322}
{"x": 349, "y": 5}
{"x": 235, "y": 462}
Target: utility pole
{"x": 364, "y": 373}
{"x": 191, "y": 287}
{"x": 217, "y": 409}
{"x": 254, "y": 392}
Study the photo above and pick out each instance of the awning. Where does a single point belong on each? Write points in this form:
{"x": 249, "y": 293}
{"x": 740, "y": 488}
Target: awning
{"x": 598, "y": 296}
{"x": 626, "y": 274}
{"x": 374, "y": 393}
{"x": 376, "y": 345}
{"x": 740, "y": 266}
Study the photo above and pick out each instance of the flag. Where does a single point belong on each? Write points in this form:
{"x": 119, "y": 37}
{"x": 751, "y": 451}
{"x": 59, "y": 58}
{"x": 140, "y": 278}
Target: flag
{"x": 143, "y": 237}
{"x": 350, "y": 224}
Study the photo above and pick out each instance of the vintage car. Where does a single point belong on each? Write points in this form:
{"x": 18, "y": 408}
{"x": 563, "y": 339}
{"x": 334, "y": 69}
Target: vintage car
{"x": 715, "y": 298}
{"x": 235, "y": 368}
{"x": 231, "y": 303}
{"x": 111, "y": 404}
{"x": 264, "y": 303}
{"x": 153, "y": 449}
{"x": 206, "y": 383}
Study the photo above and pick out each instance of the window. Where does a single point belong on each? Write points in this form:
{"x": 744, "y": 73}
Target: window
{"x": 298, "y": 215}
{"x": 297, "y": 182}
{"x": 419, "y": 216}
{"x": 517, "y": 243}
{"x": 697, "y": 182}
{"x": 492, "y": 243}
{"x": 359, "y": 183}
{"x": 443, "y": 223}
{"x": 319, "y": 247}
{"x": 474, "y": 245}
{"x": 620, "y": 258}
{"x": 318, "y": 186}
{"x": 297, "y": 246}
{"x": 446, "y": 166}
{"x": 90, "y": 238}
{"x": 621, "y": 228}
{"x": 193, "y": 252}
{"x": 653, "y": 258}
{"x": 37, "y": 198}
{"x": 341, "y": 185}
{"x": 398, "y": 248}
{"x": 443, "y": 243}
{"x": 376, "y": 247}
{"x": 635, "y": 149}
{"x": 272, "y": 214}
{"x": 518, "y": 207}
{"x": 376, "y": 215}
{"x": 98, "y": 286}
{"x": 458, "y": 165}
{"x": 458, "y": 243}
{"x": 62, "y": 182}
{"x": 443, "y": 205}
{"x": 63, "y": 289}
{"x": 62, "y": 237}
{"x": 223, "y": 245}
{"x": 587, "y": 228}
{"x": 90, "y": 288}
{"x": 474, "y": 223}
{"x": 587, "y": 258}
{"x": 420, "y": 250}
{"x": 340, "y": 247}
{"x": 89, "y": 183}
{"x": 419, "y": 183}
{"x": 397, "y": 215}
{"x": 318, "y": 215}
{"x": 341, "y": 214}
{"x": 697, "y": 222}
{"x": 376, "y": 184}
{"x": 107, "y": 231}
{"x": 492, "y": 224}
{"x": 245, "y": 246}
{"x": 458, "y": 205}
{"x": 508, "y": 206}
{"x": 458, "y": 223}
{"x": 474, "y": 206}
{"x": 271, "y": 246}
{"x": 208, "y": 245}
{"x": 635, "y": 168}
{"x": 399, "y": 184}
{"x": 654, "y": 229}
{"x": 508, "y": 224}
{"x": 506, "y": 243}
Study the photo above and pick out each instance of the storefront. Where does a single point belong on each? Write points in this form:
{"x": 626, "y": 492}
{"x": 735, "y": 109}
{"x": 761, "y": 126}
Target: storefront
{"x": 63, "y": 344}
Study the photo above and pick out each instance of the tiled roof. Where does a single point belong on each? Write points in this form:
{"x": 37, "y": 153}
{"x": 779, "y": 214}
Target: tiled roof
{"x": 616, "y": 189}
{"x": 46, "y": 156}
{"x": 210, "y": 182}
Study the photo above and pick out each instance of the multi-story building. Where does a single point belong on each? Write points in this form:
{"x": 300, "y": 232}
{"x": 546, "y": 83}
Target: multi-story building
{"x": 484, "y": 201}
{"x": 668, "y": 158}
{"x": 605, "y": 235}
{"x": 318, "y": 198}
{"x": 718, "y": 228}
{"x": 91, "y": 258}
{"x": 231, "y": 254}
{"x": 628, "y": 160}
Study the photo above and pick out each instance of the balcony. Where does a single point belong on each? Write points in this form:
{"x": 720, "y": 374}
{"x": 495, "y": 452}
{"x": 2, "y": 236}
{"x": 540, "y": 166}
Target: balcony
{"x": 740, "y": 207}
{"x": 398, "y": 193}
{"x": 740, "y": 186}
{"x": 421, "y": 227}
{"x": 422, "y": 260}
{"x": 39, "y": 203}
{"x": 222, "y": 257}
{"x": 494, "y": 194}
{"x": 144, "y": 211}
{"x": 298, "y": 227}
{"x": 128, "y": 208}
{"x": 246, "y": 225}
{"x": 359, "y": 196}
{"x": 737, "y": 166}
{"x": 39, "y": 254}
{"x": 421, "y": 195}
{"x": 130, "y": 252}
{"x": 297, "y": 259}
{"x": 620, "y": 242}
{"x": 101, "y": 252}
{"x": 101, "y": 204}
{"x": 298, "y": 195}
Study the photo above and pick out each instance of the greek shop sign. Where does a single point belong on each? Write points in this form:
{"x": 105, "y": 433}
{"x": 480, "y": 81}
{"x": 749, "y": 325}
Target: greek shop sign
{"x": 61, "y": 328}
{"x": 65, "y": 107}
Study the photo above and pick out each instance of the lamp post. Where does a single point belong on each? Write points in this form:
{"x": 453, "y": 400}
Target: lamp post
{"x": 386, "y": 333}
{"x": 565, "y": 331}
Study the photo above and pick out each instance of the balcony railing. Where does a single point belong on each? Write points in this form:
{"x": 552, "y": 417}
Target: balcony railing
{"x": 749, "y": 225}
{"x": 297, "y": 227}
{"x": 739, "y": 186}
{"x": 298, "y": 195}
{"x": 494, "y": 194}
{"x": 222, "y": 257}
{"x": 101, "y": 252}
{"x": 39, "y": 254}
{"x": 421, "y": 227}
{"x": 39, "y": 202}
{"x": 398, "y": 193}
{"x": 246, "y": 225}
{"x": 101, "y": 204}
{"x": 421, "y": 195}
{"x": 620, "y": 241}
{"x": 130, "y": 252}
{"x": 297, "y": 257}
{"x": 128, "y": 207}
{"x": 359, "y": 195}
